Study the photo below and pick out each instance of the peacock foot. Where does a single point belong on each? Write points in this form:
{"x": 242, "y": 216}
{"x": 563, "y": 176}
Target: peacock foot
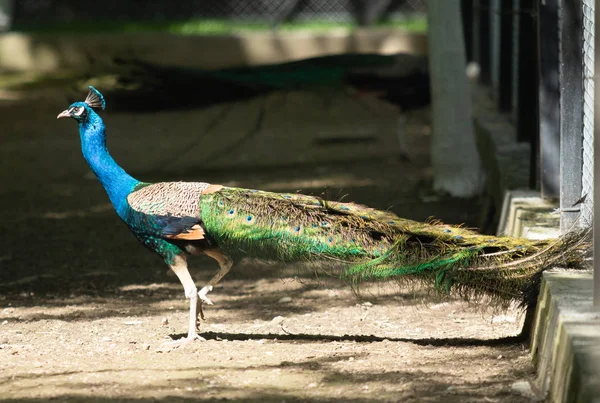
{"x": 200, "y": 314}
{"x": 173, "y": 344}
{"x": 202, "y": 294}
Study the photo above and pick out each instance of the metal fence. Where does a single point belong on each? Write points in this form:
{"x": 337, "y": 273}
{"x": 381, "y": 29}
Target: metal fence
{"x": 538, "y": 58}
{"x": 276, "y": 11}
{"x": 587, "y": 209}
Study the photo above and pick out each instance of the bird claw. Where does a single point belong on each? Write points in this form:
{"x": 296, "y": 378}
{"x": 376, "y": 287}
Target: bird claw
{"x": 202, "y": 294}
{"x": 202, "y": 299}
{"x": 188, "y": 339}
{"x": 200, "y": 315}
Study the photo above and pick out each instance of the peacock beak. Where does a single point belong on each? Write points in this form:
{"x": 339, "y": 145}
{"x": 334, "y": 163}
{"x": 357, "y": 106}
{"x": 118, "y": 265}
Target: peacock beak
{"x": 64, "y": 114}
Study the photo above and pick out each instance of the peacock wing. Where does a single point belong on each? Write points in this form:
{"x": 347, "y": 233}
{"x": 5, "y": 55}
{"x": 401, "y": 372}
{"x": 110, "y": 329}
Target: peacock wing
{"x": 171, "y": 209}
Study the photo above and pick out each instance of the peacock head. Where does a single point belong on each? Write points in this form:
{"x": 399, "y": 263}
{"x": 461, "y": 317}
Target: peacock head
{"x": 81, "y": 111}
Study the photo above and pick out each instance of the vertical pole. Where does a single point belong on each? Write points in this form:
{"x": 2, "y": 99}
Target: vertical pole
{"x": 467, "y": 20}
{"x": 475, "y": 40}
{"x": 454, "y": 157}
{"x": 527, "y": 89}
{"x": 571, "y": 111}
{"x": 484, "y": 41}
{"x": 549, "y": 100}
{"x": 506, "y": 55}
{"x": 516, "y": 45}
{"x": 596, "y": 224}
{"x": 494, "y": 15}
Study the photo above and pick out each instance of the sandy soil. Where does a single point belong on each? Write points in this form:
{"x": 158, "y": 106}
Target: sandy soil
{"x": 267, "y": 340}
{"x": 87, "y": 314}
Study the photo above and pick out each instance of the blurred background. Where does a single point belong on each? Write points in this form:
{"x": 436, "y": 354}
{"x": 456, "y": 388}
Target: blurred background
{"x": 332, "y": 98}
{"x": 326, "y": 98}
{"x": 478, "y": 112}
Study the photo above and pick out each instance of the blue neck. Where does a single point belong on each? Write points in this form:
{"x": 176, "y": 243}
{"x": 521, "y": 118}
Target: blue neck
{"x": 117, "y": 183}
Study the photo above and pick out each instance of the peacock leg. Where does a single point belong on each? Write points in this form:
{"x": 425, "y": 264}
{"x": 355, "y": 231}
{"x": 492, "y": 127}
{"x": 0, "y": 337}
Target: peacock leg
{"x": 225, "y": 264}
{"x": 179, "y": 267}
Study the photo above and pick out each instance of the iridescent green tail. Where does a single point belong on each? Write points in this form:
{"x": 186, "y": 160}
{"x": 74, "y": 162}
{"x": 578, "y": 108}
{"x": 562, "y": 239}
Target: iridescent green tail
{"x": 503, "y": 267}
{"x": 377, "y": 245}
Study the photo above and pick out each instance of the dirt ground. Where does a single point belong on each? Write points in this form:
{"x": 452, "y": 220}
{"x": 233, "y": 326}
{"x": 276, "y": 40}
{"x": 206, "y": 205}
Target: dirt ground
{"x": 87, "y": 314}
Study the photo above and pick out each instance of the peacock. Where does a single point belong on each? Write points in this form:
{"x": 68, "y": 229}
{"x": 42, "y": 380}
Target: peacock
{"x": 176, "y": 219}
{"x": 145, "y": 87}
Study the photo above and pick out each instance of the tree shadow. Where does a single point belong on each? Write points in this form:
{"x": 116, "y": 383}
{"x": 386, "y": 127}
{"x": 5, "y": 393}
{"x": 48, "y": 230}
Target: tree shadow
{"x": 304, "y": 337}
{"x": 335, "y": 383}
{"x": 248, "y": 299}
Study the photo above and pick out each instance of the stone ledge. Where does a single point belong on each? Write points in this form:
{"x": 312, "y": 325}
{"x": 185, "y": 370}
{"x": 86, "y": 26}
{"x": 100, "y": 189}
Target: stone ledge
{"x": 565, "y": 344}
{"x": 525, "y": 214}
{"x": 565, "y": 333}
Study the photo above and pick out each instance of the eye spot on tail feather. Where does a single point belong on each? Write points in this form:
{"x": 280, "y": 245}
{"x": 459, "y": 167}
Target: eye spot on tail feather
{"x": 297, "y": 229}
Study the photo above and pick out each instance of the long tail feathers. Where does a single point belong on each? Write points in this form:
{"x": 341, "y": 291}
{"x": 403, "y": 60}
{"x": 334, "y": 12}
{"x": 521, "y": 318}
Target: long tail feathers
{"x": 379, "y": 246}
{"x": 511, "y": 274}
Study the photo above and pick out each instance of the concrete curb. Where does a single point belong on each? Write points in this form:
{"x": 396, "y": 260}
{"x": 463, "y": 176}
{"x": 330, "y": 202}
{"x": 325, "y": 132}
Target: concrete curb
{"x": 565, "y": 343}
{"x": 525, "y": 214}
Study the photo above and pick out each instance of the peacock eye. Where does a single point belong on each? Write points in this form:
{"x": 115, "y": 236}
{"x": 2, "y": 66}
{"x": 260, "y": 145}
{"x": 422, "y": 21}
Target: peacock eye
{"x": 78, "y": 110}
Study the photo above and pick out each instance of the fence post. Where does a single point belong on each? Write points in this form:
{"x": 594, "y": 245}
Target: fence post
{"x": 587, "y": 176}
{"x": 454, "y": 157}
{"x": 466, "y": 11}
{"x": 506, "y": 56}
{"x": 571, "y": 112}
{"x": 484, "y": 54}
{"x": 526, "y": 89}
{"x": 549, "y": 99}
{"x": 494, "y": 16}
{"x": 597, "y": 159}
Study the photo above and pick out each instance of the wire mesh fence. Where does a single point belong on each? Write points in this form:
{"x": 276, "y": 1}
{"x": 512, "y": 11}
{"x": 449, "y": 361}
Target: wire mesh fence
{"x": 587, "y": 177}
{"x": 275, "y": 11}
{"x": 548, "y": 55}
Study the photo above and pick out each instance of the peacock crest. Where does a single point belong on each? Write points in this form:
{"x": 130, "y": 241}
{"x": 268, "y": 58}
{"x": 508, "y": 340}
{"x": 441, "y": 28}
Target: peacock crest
{"x": 95, "y": 99}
